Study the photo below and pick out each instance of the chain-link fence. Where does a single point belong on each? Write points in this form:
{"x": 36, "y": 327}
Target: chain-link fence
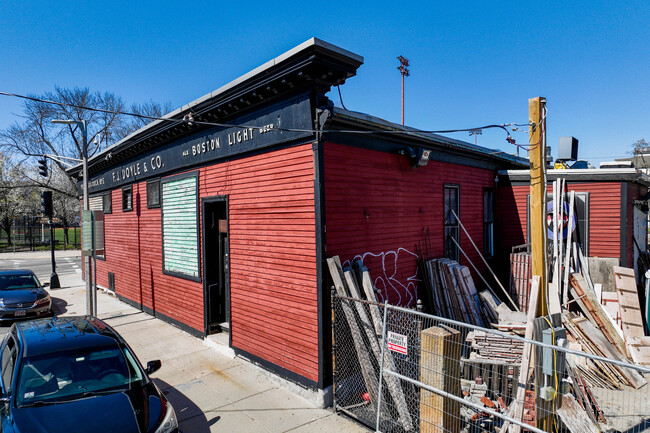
{"x": 440, "y": 375}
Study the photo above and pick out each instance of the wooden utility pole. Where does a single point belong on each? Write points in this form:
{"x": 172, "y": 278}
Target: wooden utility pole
{"x": 537, "y": 156}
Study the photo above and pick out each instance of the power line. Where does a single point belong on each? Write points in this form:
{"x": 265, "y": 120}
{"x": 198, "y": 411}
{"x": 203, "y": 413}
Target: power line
{"x": 188, "y": 119}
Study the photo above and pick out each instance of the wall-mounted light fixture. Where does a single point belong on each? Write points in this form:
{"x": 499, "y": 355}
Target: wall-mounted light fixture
{"x": 418, "y": 156}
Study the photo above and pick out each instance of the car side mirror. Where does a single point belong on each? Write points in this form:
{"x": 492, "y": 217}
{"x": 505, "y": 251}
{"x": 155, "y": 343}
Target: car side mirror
{"x": 5, "y": 399}
{"x": 153, "y": 366}
{"x": 46, "y": 284}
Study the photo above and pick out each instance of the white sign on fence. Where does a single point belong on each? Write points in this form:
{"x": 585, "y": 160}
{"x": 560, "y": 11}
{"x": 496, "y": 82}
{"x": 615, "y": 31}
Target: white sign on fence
{"x": 397, "y": 342}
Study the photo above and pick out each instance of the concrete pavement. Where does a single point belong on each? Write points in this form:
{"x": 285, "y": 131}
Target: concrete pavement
{"x": 210, "y": 389}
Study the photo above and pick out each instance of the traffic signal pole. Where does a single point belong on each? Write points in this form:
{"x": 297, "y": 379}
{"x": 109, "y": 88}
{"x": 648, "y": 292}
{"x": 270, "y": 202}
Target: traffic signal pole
{"x": 47, "y": 209}
{"x": 54, "y": 278}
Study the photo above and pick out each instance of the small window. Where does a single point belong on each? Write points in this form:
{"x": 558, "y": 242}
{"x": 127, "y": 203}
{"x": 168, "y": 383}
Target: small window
{"x": 153, "y": 194}
{"x": 451, "y": 203}
{"x": 107, "y": 203}
{"x": 488, "y": 222}
{"x": 127, "y": 199}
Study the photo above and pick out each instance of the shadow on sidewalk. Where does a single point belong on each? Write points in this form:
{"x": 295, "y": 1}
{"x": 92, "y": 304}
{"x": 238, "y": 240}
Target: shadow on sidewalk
{"x": 185, "y": 409}
{"x": 59, "y": 306}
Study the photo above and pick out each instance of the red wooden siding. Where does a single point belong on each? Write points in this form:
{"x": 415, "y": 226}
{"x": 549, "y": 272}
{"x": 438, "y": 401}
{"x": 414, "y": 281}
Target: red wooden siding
{"x": 272, "y": 233}
{"x": 604, "y": 216}
{"x": 377, "y": 208}
{"x": 134, "y": 254}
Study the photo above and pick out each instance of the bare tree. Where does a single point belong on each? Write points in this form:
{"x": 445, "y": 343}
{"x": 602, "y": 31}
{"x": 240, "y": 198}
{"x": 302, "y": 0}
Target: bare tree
{"x": 36, "y": 135}
{"x": 641, "y": 152}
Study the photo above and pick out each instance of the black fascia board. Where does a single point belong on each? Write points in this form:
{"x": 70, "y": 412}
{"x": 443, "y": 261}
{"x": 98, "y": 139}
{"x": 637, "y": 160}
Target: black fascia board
{"x": 314, "y": 64}
{"x": 443, "y": 148}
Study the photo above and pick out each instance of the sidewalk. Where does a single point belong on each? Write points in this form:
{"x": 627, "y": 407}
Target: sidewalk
{"x": 211, "y": 390}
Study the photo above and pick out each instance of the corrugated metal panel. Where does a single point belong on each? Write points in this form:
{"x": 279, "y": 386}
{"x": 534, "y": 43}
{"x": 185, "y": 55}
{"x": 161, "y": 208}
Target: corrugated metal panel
{"x": 180, "y": 230}
{"x": 378, "y": 208}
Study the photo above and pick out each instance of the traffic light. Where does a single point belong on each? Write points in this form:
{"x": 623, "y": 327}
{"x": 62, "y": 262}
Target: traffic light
{"x": 46, "y": 204}
{"x": 42, "y": 166}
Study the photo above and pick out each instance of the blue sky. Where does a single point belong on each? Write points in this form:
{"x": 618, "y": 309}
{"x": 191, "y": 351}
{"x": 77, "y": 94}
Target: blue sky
{"x": 472, "y": 62}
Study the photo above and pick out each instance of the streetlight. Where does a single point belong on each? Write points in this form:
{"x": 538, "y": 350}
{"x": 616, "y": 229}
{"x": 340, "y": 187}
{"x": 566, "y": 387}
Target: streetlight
{"x": 91, "y": 304}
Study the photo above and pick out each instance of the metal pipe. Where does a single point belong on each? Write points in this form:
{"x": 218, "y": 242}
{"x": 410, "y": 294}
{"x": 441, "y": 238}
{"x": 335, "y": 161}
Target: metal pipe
{"x": 381, "y": 366}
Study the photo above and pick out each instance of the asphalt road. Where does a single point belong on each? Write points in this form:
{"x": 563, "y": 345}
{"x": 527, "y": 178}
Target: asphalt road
{"x": 41, "y": 264}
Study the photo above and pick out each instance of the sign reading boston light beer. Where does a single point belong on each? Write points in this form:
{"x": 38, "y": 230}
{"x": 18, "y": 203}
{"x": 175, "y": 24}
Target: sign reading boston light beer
{"x": 256, "y": 131}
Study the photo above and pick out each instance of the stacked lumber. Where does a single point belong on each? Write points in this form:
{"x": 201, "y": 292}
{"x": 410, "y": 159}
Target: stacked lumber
{"x": 494, "y": 347}
{"x": 450, "y": 292}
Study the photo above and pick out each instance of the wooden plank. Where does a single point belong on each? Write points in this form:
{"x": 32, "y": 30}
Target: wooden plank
{"x": 367, "y": 370}
{"x": 596, "y": 312}
{"x": 628, "y": 302}
{"x": 440, "y": 369}
{"x": 574, "y": 417}
{"x": 597, "y": 338}
{"x": 392, "y": 383}
{"x": 639, "y": 349}
{"x": 473, "y": 294}
{"x": 369, "y": 289}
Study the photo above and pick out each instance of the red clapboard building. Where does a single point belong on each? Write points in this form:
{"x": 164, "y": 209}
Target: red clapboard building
{"x": 611, "y": 206}
{"x": 220, "y": 216}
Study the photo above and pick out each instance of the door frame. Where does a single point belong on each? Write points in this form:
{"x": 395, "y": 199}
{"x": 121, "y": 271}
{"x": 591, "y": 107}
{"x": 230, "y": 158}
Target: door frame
{"x": 206, "y": 298}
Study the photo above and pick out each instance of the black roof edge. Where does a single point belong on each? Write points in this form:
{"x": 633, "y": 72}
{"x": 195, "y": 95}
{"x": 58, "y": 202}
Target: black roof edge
{"x": 345, "y": 118}
{"x": 583, "y": 175}
{"x": 314, "y": 63}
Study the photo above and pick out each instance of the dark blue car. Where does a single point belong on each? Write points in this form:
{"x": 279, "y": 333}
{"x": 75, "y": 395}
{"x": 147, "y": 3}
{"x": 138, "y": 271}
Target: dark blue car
{"x": 77, "y": 374}
{"x": 22, "y": 296}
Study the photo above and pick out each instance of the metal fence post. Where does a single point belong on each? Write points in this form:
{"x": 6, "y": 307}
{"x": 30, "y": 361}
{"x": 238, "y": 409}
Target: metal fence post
{"x": 332, "y": 297}
{"x": 381, "y": 365}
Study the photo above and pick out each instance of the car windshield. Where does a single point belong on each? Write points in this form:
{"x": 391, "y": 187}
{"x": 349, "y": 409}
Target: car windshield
{"x": 64, "y": 376}
{"x": 24, "y": 281}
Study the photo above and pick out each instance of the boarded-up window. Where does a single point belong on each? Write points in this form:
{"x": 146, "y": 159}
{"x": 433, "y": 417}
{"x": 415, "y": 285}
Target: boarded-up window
{"x": 180, "y": 226}
{"x": 153, "y": 194}
{"x": 488, "y": 222}
{"x": 451, "y": 202}
{"x": 127, "y": 198}
{"x": 107, "y": 205}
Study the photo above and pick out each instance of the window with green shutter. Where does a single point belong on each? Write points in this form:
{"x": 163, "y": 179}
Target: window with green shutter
{"x": 179, "y": 204}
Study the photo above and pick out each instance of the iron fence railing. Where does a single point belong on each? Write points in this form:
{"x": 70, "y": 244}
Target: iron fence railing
{"x": 35, "y": 237}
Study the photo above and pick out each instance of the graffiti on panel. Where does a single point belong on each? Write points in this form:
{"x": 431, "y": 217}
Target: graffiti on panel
{"x": 389, "y": 277}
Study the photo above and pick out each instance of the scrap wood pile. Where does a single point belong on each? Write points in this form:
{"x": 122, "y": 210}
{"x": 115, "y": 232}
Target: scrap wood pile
{"x": 606, "y": 324}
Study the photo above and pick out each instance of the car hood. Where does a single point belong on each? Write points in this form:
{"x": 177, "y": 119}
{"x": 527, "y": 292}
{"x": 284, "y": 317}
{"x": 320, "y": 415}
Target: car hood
{"x": 135, "y": 411}
{"x": 15, "y": 296}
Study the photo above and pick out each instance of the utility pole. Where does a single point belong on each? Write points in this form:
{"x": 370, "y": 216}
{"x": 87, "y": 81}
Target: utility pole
{"x": 91, "y": 294}
{"x": 403, "y": 69}
{"x": 536, "y": 110}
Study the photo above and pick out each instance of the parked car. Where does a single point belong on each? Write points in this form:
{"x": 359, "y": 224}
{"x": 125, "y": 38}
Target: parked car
{"x": 22, "y": 295}
{"x": 77, "y": 374}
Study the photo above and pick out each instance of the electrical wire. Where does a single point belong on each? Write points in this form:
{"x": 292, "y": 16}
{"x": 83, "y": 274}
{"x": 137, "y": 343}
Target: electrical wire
{"x": 190, "y": 120}
{"x": 341, "y": 97}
